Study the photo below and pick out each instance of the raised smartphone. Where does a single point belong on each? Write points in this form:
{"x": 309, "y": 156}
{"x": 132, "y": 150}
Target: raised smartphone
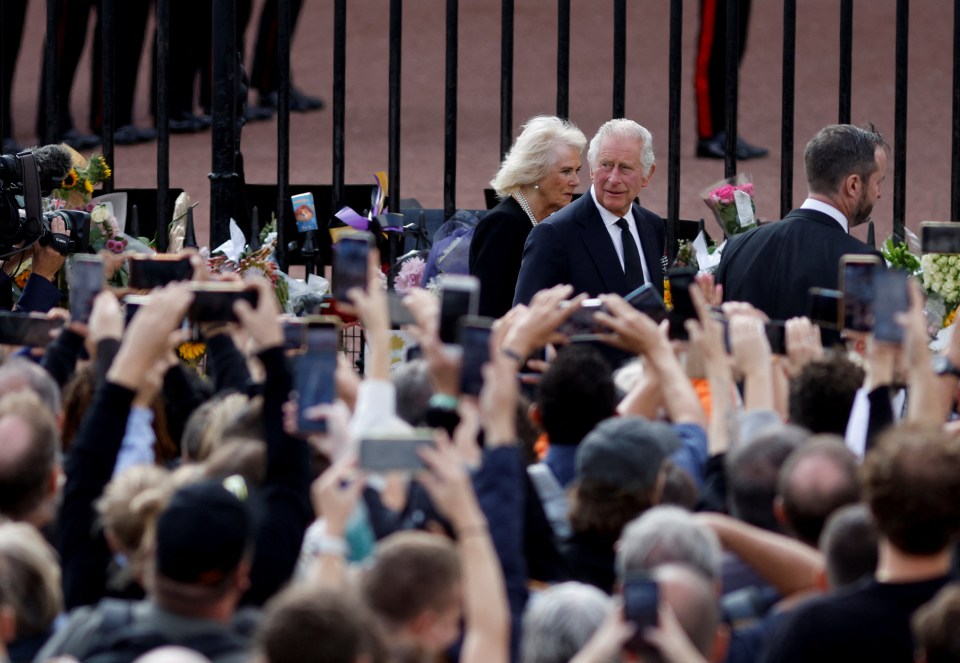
{"x": 213, "y": 300}
{"x": 315, "y": 369}
{"x": 86, "y": 282}
{"x": 681, "y": 278}
{"x": 641, "y": 601}
{"x": 892, "y": 285}
{"x": 475, "y": 340}
{"x": 148, "y": 272}
{"x": 776, "y": 336}
{"x": 132, "y": 304}
{"x": 395, "y": 453}
{"x": 459, "y": 296}
{"x": 940, "y": 237}
{"x": 350, "y": 261}
{"x": 857, "y": 285}
{"x": 33, "y": 329}
{"x": 823, "y": 307}
{"x": 648, "y": 301}
{"x": 294, "y": 336}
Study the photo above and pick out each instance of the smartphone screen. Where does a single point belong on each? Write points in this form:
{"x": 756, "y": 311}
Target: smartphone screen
{"x": 314, "y": 374}
{"x": 399, "y": 314}
{"x": 391, "y": 454}
{"x": 681, "y": 278}
{"x": 86, "y": 281}
{"x": 940, "y": 237}
{"x": 892, "y": 283}
{"x": 647, "y": 300}
{"x": 823, "y": 307}
{"x": 132, "y": 304}
{"x": 293, "y": 334}
{"x": 475, "y": 341}
{"x": 350, "y": 260}
{"x": 777, "y": 336}
{"x": 31, "y": 329}
{"x": 857, "y": 285}
{"x": 157, "y": 271}
{"x": 458, "y": 297}
{"x": 581, "y": 326}
{"x": 641, "y": 599}
{"x": 213, "y": 302}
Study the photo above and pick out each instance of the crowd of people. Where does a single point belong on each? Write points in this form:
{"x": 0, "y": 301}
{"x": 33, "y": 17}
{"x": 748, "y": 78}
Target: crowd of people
{"x": 633, "y": 497}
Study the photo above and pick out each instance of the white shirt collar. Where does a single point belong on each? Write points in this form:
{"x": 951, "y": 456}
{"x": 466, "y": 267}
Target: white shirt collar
{"x": 829, "y": 210}
{"x": 608, "y": 217}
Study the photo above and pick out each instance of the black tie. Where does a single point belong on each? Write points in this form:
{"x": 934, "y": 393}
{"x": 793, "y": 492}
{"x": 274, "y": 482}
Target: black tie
{"x": 632, "y": 267}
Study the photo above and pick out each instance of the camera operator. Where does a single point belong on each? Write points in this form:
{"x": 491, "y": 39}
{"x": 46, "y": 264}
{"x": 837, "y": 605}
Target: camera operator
{"x": 40, "y": 293}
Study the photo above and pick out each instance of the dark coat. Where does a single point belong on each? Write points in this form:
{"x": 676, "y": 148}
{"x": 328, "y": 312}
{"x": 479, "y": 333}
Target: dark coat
{"x": 495, "y": 253}
{"x": 574, "y": 247}
{"x": 774, "y": 266}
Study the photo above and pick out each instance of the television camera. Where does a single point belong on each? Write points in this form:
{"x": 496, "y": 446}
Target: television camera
{"x": 24, "y": 178}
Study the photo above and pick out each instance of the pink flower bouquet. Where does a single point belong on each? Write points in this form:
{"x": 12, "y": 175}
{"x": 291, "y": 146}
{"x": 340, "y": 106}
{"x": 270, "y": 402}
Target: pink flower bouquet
{"x": 731, "y": 201}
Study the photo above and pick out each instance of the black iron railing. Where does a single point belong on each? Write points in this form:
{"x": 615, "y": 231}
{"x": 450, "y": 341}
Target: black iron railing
{"x": 223, "y": 162}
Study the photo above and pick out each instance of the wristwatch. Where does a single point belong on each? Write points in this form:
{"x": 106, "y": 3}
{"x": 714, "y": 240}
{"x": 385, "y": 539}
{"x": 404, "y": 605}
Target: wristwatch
{"x": 943, "y": 366}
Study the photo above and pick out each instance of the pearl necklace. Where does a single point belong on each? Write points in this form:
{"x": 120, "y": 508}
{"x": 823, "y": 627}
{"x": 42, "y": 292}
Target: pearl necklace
{"x": 525, "y": 206}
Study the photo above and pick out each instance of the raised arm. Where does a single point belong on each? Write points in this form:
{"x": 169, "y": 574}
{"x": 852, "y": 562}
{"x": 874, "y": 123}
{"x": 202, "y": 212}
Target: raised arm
{"x": 486, "y": 611}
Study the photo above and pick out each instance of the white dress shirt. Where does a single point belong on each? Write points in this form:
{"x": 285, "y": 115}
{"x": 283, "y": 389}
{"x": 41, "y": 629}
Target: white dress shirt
{"x": 610, "y": 221}
{"x": 829, "y": 210}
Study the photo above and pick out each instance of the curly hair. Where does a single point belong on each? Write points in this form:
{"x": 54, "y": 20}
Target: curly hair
{"x": 575, "y": 394}
{"x": 911, "y": 480}
{"x": 821, "y": 396}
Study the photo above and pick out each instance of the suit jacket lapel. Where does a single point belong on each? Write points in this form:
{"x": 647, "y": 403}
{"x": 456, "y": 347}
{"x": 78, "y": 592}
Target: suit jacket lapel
{"x": 599, "y": 246}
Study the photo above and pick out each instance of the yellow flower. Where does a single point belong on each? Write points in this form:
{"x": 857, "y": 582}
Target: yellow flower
{"x": 70, "y": 180}
{"x": 191, "y": 351}
{"x": 21, "y": 279}
{"x": 88, "y": 186}
{"x": 947, "y": 321}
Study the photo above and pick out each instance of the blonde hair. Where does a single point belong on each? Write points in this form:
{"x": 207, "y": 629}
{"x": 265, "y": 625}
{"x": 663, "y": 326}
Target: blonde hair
{"x": 204, "y": 429}
{"x": 130, "y": 503}
{"x": 532, "y": 154}
{"x": 29, "y": 578}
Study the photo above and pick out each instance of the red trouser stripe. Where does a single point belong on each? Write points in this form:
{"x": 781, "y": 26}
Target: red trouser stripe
{"x": 701, "y": 79}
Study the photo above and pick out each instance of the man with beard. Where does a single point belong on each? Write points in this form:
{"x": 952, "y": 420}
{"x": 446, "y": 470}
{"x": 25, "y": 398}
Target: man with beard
{"x": 773, "y": 266}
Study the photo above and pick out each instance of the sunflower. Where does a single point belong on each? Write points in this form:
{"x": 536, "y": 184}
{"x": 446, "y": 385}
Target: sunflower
{"x": 70, "y": 180}
{"x": 191, "y": 351}
{"x": 947, "y": 321}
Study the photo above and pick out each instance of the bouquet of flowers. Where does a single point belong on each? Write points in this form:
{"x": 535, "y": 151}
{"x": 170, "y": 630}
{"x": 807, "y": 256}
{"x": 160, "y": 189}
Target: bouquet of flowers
{"x": 941, "y": 280}
{"x": 76, "y": 188}
{"x": 236, "y": 255}
{"x": 939, "y": 274}
{"x": 731, "y": 201}
{"x": 409, "y": 274}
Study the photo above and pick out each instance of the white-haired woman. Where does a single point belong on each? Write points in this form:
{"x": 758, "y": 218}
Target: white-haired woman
{"x": 537, "y": 177}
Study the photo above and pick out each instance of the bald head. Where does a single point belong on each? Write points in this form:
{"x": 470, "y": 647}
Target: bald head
{"x": 691, "y": 597}
{"x": 816, "y": 480}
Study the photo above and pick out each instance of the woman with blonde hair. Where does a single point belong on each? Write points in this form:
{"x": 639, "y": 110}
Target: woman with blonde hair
{"x": 537, "y": 177}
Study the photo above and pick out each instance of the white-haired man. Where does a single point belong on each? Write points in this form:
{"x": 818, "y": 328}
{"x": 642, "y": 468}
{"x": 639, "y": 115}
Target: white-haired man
{"x": 603, "y": 242}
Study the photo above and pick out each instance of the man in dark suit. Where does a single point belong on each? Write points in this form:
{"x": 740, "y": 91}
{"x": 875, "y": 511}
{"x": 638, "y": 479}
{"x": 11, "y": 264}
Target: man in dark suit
{"x": 603, "y": 242}
{"x": 774, "y": 266}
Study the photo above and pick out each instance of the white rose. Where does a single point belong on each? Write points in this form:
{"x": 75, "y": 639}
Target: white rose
{"x": 99, "y": 214}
